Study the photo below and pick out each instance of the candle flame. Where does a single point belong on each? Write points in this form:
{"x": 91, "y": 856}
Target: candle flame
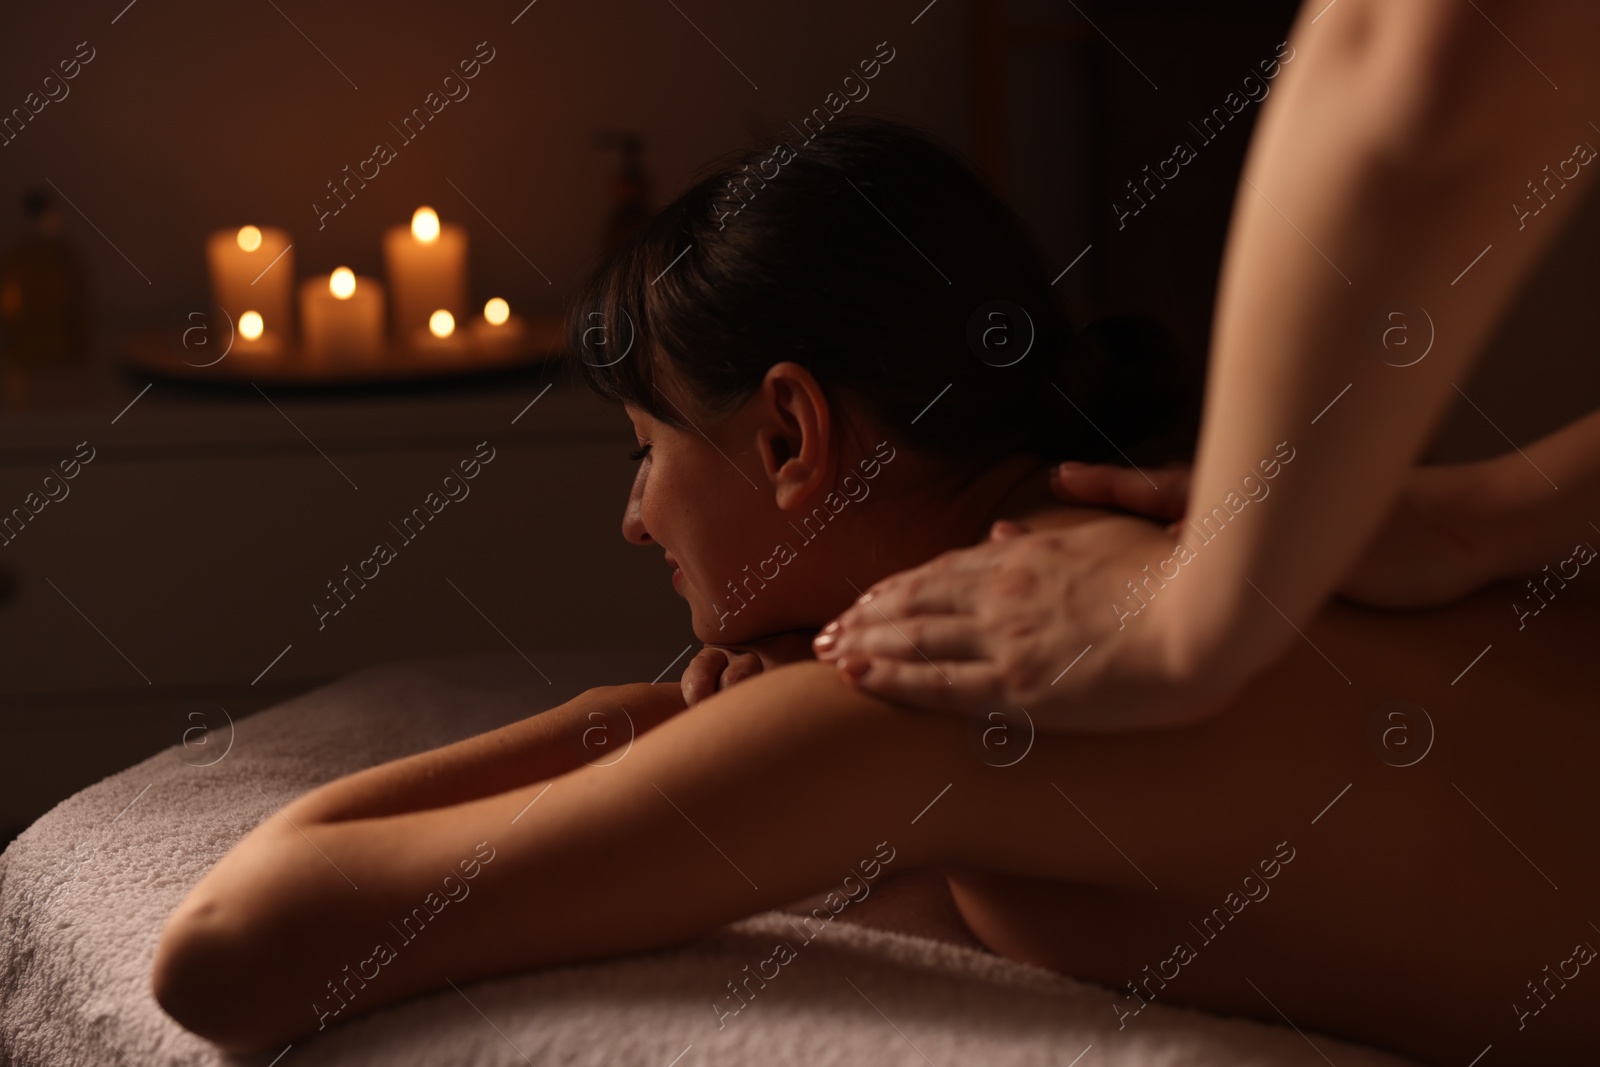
{"x": 249, "y": 238}
{"x": 250, "y": 325}
{"x": 441, "y": 323}
{"x": 497, "y": 311}
{"x": 342, "y": 283}
{"x": 425, "y": 225}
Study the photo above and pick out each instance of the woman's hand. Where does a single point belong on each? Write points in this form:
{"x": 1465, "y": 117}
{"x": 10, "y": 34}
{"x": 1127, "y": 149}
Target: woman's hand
{"x": 1436, "y": 545}
{"x": 716, "y": 667}
{"x": 1045, "y": 620}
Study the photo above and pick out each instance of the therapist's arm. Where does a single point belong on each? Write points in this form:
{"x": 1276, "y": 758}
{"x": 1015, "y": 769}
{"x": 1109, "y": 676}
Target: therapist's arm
{"x": 1455, "y": 527}
{"x": 1381, "y": 177}
{"x": 1537, "y": 526}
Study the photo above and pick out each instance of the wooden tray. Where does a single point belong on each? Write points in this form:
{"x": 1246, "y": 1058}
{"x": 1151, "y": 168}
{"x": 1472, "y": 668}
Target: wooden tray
{"x": 163, "y": 354}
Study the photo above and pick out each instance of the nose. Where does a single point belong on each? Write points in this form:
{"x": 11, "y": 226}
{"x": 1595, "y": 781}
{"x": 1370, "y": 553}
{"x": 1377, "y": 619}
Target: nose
{"x": 633, "y": 530}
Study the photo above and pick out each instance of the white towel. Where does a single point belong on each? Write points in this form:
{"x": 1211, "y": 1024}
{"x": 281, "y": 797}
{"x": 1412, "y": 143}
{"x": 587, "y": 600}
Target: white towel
{"x": 84, "y": 893}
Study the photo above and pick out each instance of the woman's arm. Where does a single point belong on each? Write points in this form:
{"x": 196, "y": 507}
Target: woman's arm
{"x": 789, "y": 784}
{"x": 591, "y": 728}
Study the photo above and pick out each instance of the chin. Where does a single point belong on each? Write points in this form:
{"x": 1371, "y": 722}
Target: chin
{"x": 715, "y": 625}
{"x": 735, "y": 632}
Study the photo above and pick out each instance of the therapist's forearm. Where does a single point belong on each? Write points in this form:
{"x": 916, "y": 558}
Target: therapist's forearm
{"x": 1377, "y": 174}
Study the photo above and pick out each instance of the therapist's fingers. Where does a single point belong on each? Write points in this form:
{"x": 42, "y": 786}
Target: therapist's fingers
{"x": 1153, "y": 492}
{"x": 1006, "y": 529}
{"x": 946, "y": 686}
{"x": 919, "y": 638}
{"x": 945, "y": 585}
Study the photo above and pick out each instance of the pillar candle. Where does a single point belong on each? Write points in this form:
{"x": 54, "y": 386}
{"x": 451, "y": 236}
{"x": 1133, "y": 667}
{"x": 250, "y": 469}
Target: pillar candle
{"x": 341, "y": 318}
{"x": 252, "y": 269}
{"x": 426, "y": 264}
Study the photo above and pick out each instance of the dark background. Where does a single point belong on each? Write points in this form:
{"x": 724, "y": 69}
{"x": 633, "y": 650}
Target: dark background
{"x": 195, "y": 116}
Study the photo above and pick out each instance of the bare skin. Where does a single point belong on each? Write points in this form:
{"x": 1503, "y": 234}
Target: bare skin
{"x": 1402, "y": 885}
{"x": 1456, "y": 526}
{"x": 1402, "y": 144}
{"x": 1403, "y": 918}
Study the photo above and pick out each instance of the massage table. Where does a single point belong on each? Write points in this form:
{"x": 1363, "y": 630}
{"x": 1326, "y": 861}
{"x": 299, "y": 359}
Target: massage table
{"x": 896, "y": 980}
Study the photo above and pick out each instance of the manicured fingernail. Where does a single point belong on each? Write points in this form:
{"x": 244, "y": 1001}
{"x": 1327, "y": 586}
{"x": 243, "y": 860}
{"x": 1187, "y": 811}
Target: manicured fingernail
{"x": 824, "y": 641}
{"x": 854, "y": 667}
{"x": 864, "y": 597}
{"x": 831, "y": 627}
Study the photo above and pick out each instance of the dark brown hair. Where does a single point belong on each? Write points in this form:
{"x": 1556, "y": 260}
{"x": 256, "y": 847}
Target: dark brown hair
{"x": 878, "y": 260}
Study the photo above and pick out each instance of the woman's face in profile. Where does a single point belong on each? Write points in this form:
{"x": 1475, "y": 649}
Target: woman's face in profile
{"x": 716, "y": 524}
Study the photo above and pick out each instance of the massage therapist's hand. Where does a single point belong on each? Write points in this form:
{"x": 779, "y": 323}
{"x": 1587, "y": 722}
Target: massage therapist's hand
{"x": 1029, "y": 619}
{"x": 717, "y": 667}
{"x": 1438, "y": 543}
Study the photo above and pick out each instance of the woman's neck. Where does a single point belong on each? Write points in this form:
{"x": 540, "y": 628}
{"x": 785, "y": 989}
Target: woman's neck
{"x": 908, "y": 530}
{"x": 1025, "y": 496}
{"x": 1015, "y": 488}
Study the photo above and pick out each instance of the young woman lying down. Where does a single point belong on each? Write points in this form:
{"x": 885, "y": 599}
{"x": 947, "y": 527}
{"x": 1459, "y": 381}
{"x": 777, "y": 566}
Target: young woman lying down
{"x": 862, "y": 367}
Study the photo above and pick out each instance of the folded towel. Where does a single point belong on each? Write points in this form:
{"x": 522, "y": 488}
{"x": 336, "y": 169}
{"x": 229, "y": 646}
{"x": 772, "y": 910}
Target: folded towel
{"x": 85, "y": 890}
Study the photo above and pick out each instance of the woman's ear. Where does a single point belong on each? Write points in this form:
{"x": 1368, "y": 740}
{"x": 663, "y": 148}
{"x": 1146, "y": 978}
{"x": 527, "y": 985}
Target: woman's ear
{"x": 794, "y": 435}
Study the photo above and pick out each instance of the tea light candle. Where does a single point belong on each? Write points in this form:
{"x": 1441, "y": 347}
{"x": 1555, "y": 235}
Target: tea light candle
{"x": 341, "y": 317}
{"x": 497, "y": 328}
{"x": 253, "y": 341}
{"x": 427, "y": 268}
{"x": 252, "y": 269}
{"x": 441, "y": 337}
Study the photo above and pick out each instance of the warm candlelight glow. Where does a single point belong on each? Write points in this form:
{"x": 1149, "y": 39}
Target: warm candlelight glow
{"x": 498, "y": 331}
{"x": 251, "y": 268}
{"x": 426, "y": 264}
{"x": 250, "y": 325}
{"x": 341, "y": 319}
{"x": 441, "y": 323}
{"x": 342, "y": 282}
{"x": 425, "y": 225}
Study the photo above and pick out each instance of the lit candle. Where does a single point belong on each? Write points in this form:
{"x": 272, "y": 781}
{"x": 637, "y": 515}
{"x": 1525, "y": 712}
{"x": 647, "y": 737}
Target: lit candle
{"x": 252, "y": 340}
{"x": 441, "y": 335}
{"x": 497, "y": 329}
{"x": 341, "y": 317}
{"x": 252, "y": 269}
{"x": 427, "y": 268}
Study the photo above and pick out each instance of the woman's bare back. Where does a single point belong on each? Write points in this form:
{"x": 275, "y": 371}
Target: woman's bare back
{"x": 1389, "y": 836}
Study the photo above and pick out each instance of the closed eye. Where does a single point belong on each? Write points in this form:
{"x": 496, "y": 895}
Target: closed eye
{"x": 639, "y": 453}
